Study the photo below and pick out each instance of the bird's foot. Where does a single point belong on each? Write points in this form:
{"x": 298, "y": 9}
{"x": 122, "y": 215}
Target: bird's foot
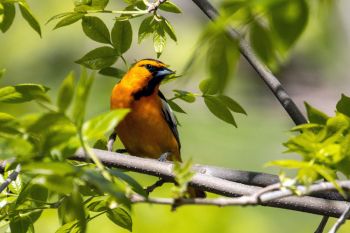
{"x": 164, "y": 157}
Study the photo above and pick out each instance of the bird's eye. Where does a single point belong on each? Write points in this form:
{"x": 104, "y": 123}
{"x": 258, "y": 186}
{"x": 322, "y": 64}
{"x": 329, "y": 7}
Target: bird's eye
{"x": 150, "y": 68}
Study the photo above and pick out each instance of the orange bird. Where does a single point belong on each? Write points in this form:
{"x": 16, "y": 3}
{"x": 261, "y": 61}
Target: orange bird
{"x": 150, "y": 129}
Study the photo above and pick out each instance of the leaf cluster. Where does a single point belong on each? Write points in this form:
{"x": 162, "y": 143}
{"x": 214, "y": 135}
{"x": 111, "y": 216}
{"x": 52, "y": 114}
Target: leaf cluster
{"x": 323, "y": 144}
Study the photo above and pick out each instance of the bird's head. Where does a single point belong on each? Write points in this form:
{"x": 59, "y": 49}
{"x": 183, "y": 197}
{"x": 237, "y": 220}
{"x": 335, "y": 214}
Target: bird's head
{"x": 146, "y": 75}
{"x": 150, "y": 69}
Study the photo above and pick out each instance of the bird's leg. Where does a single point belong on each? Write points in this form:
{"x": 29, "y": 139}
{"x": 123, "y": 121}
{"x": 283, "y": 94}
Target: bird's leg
{"x": 164, "y": 157}
{"x": 111, "y": 141}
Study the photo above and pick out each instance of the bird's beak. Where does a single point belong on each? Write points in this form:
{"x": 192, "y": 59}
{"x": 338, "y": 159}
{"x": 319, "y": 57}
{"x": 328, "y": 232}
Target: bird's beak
{"x": 163, "y": 72}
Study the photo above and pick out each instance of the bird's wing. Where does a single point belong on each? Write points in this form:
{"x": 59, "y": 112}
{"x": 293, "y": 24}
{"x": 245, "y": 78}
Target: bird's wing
{"x": 169, "y": 117}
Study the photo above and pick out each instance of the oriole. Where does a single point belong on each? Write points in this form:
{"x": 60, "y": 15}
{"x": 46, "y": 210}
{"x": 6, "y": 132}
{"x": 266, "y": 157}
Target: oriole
{"x": 150, "y": 128}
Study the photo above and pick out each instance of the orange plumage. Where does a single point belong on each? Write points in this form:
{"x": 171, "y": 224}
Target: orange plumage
{"x": 149, "y": 129}
{"x": 144, "y": 131}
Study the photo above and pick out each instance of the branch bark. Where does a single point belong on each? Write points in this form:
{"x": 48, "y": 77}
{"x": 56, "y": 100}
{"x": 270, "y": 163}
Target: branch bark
{"x": 204, "y": 180}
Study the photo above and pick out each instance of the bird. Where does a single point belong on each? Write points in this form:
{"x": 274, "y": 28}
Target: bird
{"x": 149, "y": 130}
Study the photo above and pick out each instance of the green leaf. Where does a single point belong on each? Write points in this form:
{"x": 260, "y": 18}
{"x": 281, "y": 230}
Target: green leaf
{"x": 128, "y": 179}
{"x": 169, "y": 29}
{"x": 207, "y": 88}
{"x": 20, "y": 224}
{"x": 23, "y": 93}
{"x": 14, "y": 147}
{"x": 49, "y": 168}
{"x": 100, "y": 125}
{"x": 343, "y": 105}
{"x": 146, "y": 28}
{"x": 289, "y": 19}
{"x": 219, "y": 109}
{"x": 315, "y": 116}
{"x": 95, "y": 29}
{"x": 101, "y": 144}
{"x": 55, "y": 183}
{"x": 99, "y": 58}
{"x": 120, "y": 217}
{"x": 66, "y": 92}
{"x": 70, "y": 227}
{"x": 288, "y": 163}
{"x": 69, "y": 19}
{"x": 9, "y": 13}
{"x": 231, "y": 7}
{"x": 261, "y": 41}
{"x": 232, "y": 104}
{"x": 185, "y": 96}
{"x": 2, "y": 72}
{"x": 175, "y": 107}
{"x": 159, "y": 40}
{"x": 28, "y": 16}
{"x": 82, "y": 93}
{"x": 99, "y": 4}
{"x": 121, "y": 36}
{"x": 170, "y": 7}
{"x": 113, "y": 72}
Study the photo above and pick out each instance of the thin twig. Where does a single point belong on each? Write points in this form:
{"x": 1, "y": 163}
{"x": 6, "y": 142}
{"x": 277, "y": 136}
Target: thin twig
{"x": 322, "y": 224}
{"x": 267, "y": 76}
{"x": 12, "y": 177}
{"x": 340, "y": 221}
{"x": 157, "y": 184}
{"x": 153, "y": 7}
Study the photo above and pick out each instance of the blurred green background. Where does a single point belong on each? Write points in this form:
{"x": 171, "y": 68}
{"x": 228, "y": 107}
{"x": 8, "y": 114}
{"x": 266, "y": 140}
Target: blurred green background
{"x": 316, "y": 72}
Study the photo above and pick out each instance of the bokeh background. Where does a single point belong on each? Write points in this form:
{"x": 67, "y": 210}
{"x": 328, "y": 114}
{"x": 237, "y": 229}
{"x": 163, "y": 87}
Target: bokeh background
{"x": 316, "y": 72}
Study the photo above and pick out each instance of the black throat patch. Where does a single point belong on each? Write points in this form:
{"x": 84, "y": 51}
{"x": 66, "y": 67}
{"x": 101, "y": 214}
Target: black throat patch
{"x": 148, "y": 89}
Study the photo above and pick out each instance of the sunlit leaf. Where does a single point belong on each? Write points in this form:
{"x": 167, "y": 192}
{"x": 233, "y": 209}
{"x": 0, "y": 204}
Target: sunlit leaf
{"x": 169, "y": 29}
{"x": 23, "y": 93}
{"x": 29, "y": 17}
{"x": 232, "y": 104}
{"x": 146, "y": 28}
{"x": 100, "y": 125}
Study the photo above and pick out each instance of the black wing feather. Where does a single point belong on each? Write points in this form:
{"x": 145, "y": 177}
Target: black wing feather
{"x": 169, "y": 117}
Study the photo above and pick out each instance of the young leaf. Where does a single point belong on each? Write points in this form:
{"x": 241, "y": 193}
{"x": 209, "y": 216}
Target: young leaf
{"x": 207, "y": 88}
{"x": 122, "y": 36}
{"x": 70, "y": 227}
{"x": 99, "y": 58}
{"x": 146, "y": 28}
{"x": 232, "y": 104}
{"x": 219, "y": 109}
{"x": 66, "y": 92}
{"x": 315, "y": 116}
{"x": 343, "y": 105}
{"x": 9, "y": 13}
{"x": 98, "y": 126}
{"x": 174, "y": 106}
{"x": 20, "y": 224}
{"x": 189, "y": 97}
{"x": 128, "y": 179}
{"x": 289, "y": 19}
{"x": 69, "y": 19}
{"x": 23, "y": 93}
{"x": 99, "y": 4}
{"x": 169, "y": 29}
{"x": 170, "y": 7}
{"x": 113, "y": 72}
{"x": 120, "y": 217}
{"x": 95, "y": 29}
{"x": 159, "y": 40}
{"x": 28, "y": 16}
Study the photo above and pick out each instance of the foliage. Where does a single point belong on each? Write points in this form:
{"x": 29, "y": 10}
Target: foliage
{"x": 81, "y": 192}
{"x": 323, "y": 144}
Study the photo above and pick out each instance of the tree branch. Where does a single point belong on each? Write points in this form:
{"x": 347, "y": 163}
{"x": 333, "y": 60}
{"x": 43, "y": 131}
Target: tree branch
{"x": 270, "y": 80}
{"x": 340, "y": 221}
{"x": 204, "y": 180}
{"x": 10, "y": 178}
